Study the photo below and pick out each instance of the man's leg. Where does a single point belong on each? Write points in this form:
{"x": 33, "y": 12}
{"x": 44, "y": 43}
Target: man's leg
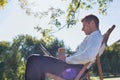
{"x": 37, "y": 66}
{"x": 33, "y": 72}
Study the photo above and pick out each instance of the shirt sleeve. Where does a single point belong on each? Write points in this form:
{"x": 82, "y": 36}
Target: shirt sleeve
{"x": 88, "y": 54}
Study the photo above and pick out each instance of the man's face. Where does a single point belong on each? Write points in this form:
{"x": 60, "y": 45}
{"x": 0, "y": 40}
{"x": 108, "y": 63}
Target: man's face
{"x": 86, "y": 27}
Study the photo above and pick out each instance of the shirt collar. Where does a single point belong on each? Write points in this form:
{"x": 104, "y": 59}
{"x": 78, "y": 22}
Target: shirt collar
{"x": 94, "y": 32}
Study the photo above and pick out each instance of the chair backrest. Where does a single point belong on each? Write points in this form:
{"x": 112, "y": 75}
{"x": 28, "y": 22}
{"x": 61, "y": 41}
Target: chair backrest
{"x": 104, "y": 42}
{"x": 105, "y": 39}
{"x": 89, "y": 65}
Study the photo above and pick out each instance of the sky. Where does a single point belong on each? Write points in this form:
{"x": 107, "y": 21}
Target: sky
{"x": 14, "y": 21}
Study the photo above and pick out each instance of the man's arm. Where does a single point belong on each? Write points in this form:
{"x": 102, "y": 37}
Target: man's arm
{"x": 88, "y": 54}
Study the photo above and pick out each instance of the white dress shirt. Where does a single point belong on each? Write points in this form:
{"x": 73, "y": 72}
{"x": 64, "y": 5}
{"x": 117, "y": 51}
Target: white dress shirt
{"x": 87, "y": 50}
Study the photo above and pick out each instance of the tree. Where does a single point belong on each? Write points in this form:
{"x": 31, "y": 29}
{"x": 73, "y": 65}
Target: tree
{"x": 3, "y": 3}
{"x": 10, "y": 62}
{"x": 53, "y": 46}
{"x": 55, "y": 23}
{"x": 114, "y": 58}
{"x": 13, "y": 56}
{"x": 28, "y": 45}
{"x": 56, "y": 13}
{"x": 4, "y": 48}
{"x": 110, "y": 60}
{"x": 106, "y": 62}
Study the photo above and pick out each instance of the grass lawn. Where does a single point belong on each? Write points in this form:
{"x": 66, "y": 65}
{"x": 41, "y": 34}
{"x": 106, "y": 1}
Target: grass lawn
{"x": 96, "y": 78}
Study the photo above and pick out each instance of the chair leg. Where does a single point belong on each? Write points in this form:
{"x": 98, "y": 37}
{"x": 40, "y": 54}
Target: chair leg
{"x": 99, "y": 68}
{"x": 88, "y": 76}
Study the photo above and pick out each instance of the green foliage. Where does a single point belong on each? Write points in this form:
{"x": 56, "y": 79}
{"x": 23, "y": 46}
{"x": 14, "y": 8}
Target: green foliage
{"x": 53, "y": 46}
{"x": 46, "y": 34}
{"x": 56, "y": 13}
{"x": 114, "y": 58}
{"x": 27, "y": 45}
{"x": 106, "y": 68}
{"x": 10, "y": 60}
{"x": 110, "y": 60}
{"x": 13, "y": 56}
{"x": 3, "y": 3}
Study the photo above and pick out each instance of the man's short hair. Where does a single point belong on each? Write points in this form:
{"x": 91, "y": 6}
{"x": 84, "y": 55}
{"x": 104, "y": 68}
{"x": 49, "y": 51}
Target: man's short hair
{"x": 91, "y": 17}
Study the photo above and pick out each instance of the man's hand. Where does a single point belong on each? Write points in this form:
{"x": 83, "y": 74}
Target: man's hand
{"x": 62, "y": 56}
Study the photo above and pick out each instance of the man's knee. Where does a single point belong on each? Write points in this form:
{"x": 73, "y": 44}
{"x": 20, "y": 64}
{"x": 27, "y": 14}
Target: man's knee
{"x": 33, "y": 71}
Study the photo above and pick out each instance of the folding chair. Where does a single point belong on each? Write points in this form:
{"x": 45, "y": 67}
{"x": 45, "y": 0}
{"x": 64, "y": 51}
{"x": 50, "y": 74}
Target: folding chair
{"x": 87, "y": 67}
{"x": 104, "y": 42}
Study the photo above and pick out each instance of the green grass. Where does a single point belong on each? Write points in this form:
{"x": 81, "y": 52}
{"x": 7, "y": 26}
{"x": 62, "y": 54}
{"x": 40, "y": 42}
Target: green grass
{"x": 113, "y": 78}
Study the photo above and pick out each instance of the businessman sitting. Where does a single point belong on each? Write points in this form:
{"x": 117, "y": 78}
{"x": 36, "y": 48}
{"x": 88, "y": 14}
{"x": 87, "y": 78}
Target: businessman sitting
{"x": 69, "y": 67}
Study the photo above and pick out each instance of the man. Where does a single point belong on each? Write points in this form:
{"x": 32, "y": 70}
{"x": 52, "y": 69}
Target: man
{"x": 86, "y": 52}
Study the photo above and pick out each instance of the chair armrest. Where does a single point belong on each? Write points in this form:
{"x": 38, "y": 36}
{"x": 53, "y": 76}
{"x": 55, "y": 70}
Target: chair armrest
{"x": 82, "y": 71}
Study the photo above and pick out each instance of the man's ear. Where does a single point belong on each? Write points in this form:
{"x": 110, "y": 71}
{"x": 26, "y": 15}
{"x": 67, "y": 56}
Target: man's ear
{"x": 92, "y": 22}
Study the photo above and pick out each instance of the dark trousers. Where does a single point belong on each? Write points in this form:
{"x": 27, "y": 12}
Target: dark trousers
{"x": 37, "y": 66}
